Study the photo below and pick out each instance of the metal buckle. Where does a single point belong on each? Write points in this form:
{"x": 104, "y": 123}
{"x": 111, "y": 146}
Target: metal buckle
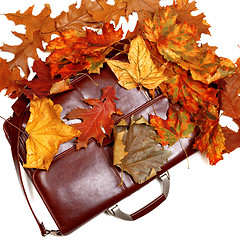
{"x": 55, "y": 233}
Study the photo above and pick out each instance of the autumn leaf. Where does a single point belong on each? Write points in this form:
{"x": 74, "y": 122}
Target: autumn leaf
{"x": 46, "y": 132}
{"x": 177, "y": 42}
{"x": 77, "y": 18}
{"x": 177, "y": 125}
{"x": 141, "y": 5}
{"x": 143, "y": 156}
{"x": 44, "y": 85}
{"x": 232, "y": 139}
{"x": 211, "y": 139}
{"x": 25, "y": 50}
{"x": 191, "y": 94}
{"x": 41, "y": 23}
{"x": 184, "y": 10}
{"x": 230, "y": 99}
{"x": 140, "y": 71}
{"x": 109, "y": 12}
{"x": 230, "y": 105}
{"x": 73, "y": 52}
{"x": 10, "y": 80}
{"x": 97, "y": 121}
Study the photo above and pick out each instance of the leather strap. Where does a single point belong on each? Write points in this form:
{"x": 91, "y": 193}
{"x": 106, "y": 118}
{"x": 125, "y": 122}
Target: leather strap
{"x": 14, "y": 136}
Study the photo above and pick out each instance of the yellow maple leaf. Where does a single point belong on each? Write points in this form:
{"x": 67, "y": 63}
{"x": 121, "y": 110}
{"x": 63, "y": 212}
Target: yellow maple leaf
{"x": 46, "y": 132}
{"x": 140, "y": 71}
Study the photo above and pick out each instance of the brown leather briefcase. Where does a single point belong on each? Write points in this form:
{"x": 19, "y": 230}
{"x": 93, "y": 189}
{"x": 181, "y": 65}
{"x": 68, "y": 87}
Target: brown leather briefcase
{"x": 82, "y": 184}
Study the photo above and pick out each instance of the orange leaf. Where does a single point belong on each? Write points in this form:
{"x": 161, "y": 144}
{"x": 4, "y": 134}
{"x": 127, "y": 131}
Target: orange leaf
{"x": 25, "y": 50}
{"x": 184, "y": 9}
{"x": 178, "y": 125}
{"x": 193, "y": 95}
{"x": 211, "y": 139}
{"x": 10, "y": 80}
{"x": 97, "y": 121}
{"x": 74, "y": 48}
{"x": 109, "y": 12}
{"x": 41, "y": 23}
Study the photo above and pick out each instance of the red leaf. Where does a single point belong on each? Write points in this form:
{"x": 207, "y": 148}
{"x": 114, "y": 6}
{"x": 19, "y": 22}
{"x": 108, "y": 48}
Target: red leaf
{"x": 97, "y": 121}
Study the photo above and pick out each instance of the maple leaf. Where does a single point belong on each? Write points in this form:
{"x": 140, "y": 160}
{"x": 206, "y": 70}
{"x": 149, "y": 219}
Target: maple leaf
{"x": 109, "y": 12}
{"x": 178, "y": 125}
{"x": 177, "y": 42}
{"x": 41, "y": 23}
{"x": 46, "y": 132}
{"x": 87, "y": 51}
{"x": 191, "y": 94}
{"x": 97, "y": 121}
{"x": 25, "y": 50}
{"x": 44, "y": 85}
{"x": 140, "y": 71}
{"x": 211, "y": 139}
{"x": 10, "y": 80}
{"x": 184, "y": 9}
{"x": 142, "y": 156}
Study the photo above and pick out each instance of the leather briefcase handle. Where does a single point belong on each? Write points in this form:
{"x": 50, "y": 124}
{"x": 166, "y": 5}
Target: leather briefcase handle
{"x": 164, "y": 180}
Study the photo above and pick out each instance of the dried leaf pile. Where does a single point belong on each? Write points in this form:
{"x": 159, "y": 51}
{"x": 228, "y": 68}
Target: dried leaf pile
{"x": 164, "y": 54}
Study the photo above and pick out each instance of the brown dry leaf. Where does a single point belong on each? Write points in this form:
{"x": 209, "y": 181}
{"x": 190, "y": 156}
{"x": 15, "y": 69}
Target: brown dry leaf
{"x": 141, "y": 5}
{"x": 140, "y": 71}
{"x": 10, "y": 80}
{"x": 144, "y": 157}
{"x": 42, "y": 23}
{"x": 77, "y": 18}
{"x": 184, "y": 9}
{"x": 25, "y": 50}
{"x": 46, "y": 132}
{"x": 109, "y": 12}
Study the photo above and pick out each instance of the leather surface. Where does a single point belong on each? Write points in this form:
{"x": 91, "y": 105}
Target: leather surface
{"x": 82, "y": 184}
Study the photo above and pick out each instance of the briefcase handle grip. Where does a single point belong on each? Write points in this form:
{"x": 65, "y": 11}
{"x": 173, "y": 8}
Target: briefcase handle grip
{"x": 117, "y": 212}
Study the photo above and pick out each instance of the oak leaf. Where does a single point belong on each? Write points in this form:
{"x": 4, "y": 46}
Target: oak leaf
{"x": 142, "y": 156}
{"x": 177, "y": 125}
{"x": 25, "y": 50}
{"x": 141, "y": 5}
{"x": 109, "y": 12}
{"x": 140, "y": 71}
{"x": 97, "y": 121}
{"x": 41, "y": 23}
{"x": 46, "y": 132}
{"x": 77, "y": 18}
{"x": 10, "y": 80}
{"x": 211, "y": 139}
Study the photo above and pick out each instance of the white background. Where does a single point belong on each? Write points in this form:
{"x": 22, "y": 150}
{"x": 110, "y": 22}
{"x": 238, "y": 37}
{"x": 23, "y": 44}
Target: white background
{"x": 203, "y": 202}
